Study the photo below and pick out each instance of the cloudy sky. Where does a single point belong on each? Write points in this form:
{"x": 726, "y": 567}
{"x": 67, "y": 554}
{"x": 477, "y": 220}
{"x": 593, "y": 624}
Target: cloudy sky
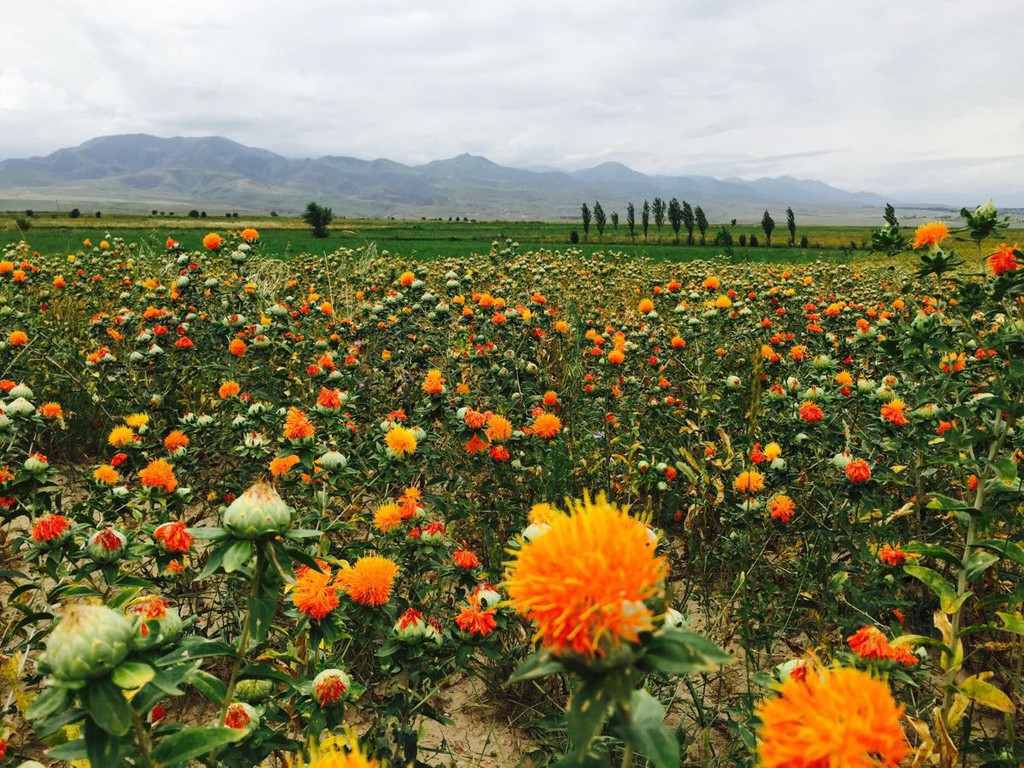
{"x": 914, "y": 99}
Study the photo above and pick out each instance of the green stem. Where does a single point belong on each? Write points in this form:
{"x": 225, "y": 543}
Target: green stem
{"x": 142, "y": 740}
{"x": 627, "y": 756}
{"x": 243, "y": 640}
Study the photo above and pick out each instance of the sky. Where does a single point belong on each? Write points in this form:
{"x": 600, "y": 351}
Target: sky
{"x": 918, "y": 100}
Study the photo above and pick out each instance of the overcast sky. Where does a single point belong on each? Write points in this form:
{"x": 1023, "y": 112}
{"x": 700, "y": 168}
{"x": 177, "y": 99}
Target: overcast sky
{"x": 918, "y": 99}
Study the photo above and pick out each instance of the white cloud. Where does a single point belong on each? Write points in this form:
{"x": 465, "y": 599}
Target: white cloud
{"x": 870, "y": 95}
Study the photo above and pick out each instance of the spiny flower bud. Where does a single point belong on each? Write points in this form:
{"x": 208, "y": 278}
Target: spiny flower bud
{"x": 89, "y": 641}
{"x": 258, "y": 513}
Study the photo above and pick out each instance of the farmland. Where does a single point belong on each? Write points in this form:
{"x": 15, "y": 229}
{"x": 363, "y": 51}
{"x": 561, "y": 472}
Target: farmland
{"x": 264, "y": 496}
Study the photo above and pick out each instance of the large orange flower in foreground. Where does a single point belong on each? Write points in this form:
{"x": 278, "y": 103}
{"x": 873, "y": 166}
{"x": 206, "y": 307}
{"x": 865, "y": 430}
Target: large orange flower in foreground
{"x": 159, "y": 474}
{"x": 297, "y": 425}
{"x": 832, "y": 717}
{"x": 369, "y": 581}
{"x": 584, "y": 581}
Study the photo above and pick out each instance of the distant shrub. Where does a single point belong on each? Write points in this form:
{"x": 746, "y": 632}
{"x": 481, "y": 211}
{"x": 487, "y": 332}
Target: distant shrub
{"x": 202, "y": 214}
{"x": 99, "y": 214}
{"x": 574, "y": 237}
{"x": 753, "y": 241}
{"x": 29, "y": 213}
{"x": 74, "y": 213}
{"x": 743, "y": 241}
{"x": 22, "y": 223}
{"x": 193, "y": 214}
{"x": 803, "y": 241}
{"x": 273, "y": 214}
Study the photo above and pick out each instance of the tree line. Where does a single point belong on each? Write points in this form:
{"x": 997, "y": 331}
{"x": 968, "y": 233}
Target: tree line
{"x": 679, "y": 216}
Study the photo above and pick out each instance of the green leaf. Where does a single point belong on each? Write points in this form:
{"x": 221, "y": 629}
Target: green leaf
{"x": 191, "y": 743}
{"x": 237, "y": 555}
{"x": 647, "y": 732}
{"x": 1012, "y": 622}
{"x": 539, "y": 664}
{"x": 983, "y": 692}
{"x": 303, "y": 533}
{"x": 931, "y": 550}
{"x": 195, "y": 648}
{"x": 1007, "y": 470}
{"x": 948, "y": 600}
{"x": 107, "y": 706}
{"x": 1003, "y": 548}
{"x": 588, "y": 709}
{"x": 209, "y": 687}
{"x": 210, "y": 534}
{"x": 947, "y": 503}
{"x": 132, "y": 674}
{"x": 47, "y": 703}
{"x": 678, "y": 652}
{"x": 265, "y": 672}
{"x": 979, "y": 562}
{"x": 69, "y": 750}
{"x": 262, "y": 608}
{"x": 213, "y": 562}
{"x": 100, "y": 747}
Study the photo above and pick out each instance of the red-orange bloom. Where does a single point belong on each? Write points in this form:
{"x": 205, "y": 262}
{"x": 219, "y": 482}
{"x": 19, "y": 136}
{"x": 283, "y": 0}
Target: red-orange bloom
{"x": 50, "y": 527}
{"x": 474, "y": 620}
{"x": 782, "y": 508}
{"x": 280, "y": 466}
{"x": 174, "y": 536}
{"x": 811, "y": 413}
{"x": 465, "y": 558}
{"x": 212, "y": 241}
{"x": 546, "y": 425}
{"x": 297, "y": 425}
{"x": 175, "y": 440}
{"x": 858, "y": 471}
{"x": 329, "y": 398}
{"x": 1003, "y": 260}
{"x": 893, "y": 412}
{"x": 228, "y": 389}
{"x": 871, "y": 643}
{"x": 893, "y": 556}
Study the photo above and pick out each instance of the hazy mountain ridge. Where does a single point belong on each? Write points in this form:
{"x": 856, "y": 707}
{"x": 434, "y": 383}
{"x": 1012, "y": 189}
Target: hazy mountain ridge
{"x": 140, "y": 170}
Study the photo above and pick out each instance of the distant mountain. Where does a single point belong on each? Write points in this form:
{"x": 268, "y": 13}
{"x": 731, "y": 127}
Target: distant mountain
{"x": 139, "y": 171}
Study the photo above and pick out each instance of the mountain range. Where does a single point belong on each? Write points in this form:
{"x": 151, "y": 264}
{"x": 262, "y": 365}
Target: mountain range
{"x": 140, "y": 172}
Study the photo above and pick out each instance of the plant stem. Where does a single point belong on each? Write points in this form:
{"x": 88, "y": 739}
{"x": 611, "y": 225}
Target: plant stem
{"x": 141, "y": 738}
{"x": 243, "y": 640}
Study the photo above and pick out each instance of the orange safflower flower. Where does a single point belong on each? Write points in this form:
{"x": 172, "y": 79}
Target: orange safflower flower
{"x": 893, "y": 412}
{"x": 228, "y": 389}
{"x": 434, "y": 382}
{"x": 17, "y": 338}
{"x": 370, "y": 580}
{"x": 952, "y": 362}
{"x": 616, "y": 356}
{"x": 212, "y": 241}
{"x": 158, "y": 474}
{"x": 584, "y": 582}
{"x": 387, "y": 517}
{"x": 475, "y": 419}
{"x": 476, "y": 620}
{"x": 237, "y": 347}
{"x": 811, "y": 413}
{"x": 871, "y": 643}
{"x": 329, "y": 398}
{"x": 120, "y": 436}
{"x": 893, "y": 556}
{"x": 467, "y": 559}
{"x": 750, "y": 481}
{"x": 406, "y": 279}
{"x": 250, "y": 235}
{"x": 858, "y": 471}
{"x": 645, "y": 306}
{"x": 106, "y": 474}
{"x": 175, "y": 440}
{"x": 930, "y": 234}
{"x": 400, "y": 442}
{"x": 297, "y": 425}
{"x": 546, "y": 425}
{"x": 50, "y": 527}
{"x": 782, "y": 508}
{"x": 1003, "y": 259}
{"x": 831, "y": 717}
{"x": 174, "y": 536}
{"x": 499, "y": 429}
{"x": 475, "y": 445}
{"x": 280, "y": 466}
{"x": 313, "y": 593}
{"x": 52, "y": 411}
{"x": 550, "y": 398}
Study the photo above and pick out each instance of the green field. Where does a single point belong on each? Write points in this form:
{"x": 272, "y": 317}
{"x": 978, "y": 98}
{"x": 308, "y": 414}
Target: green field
{"x": 284, "y": 237}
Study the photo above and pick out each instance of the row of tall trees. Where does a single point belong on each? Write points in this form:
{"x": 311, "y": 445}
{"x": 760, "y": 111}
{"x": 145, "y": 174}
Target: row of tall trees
{"x": 679, "y": 215}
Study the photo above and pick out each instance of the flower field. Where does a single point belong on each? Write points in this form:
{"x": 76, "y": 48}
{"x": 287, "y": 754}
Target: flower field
{"x": 268, "y": 512}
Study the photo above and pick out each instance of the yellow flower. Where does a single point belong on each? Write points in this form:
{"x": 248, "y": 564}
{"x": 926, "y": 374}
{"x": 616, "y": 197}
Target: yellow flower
{"x": 120, "y": 436}
{"x": 136, "y": 420}
{"x": 400, "y": 441}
